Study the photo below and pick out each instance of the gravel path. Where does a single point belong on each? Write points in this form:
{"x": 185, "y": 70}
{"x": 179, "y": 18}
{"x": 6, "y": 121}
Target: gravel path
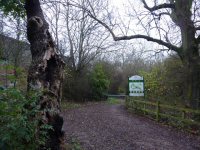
{"x": 111, "y": 127}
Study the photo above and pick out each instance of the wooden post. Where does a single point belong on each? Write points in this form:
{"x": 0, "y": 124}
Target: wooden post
{"x": 183, "y": 114}
{"x": 158, "y": 111}
{"x": 129, "y": 102}
{"x": 144, "y": 98}
{"x": 144, "y": 108}
{"x": 134, "y": 105}
{"x": 126, "y": 102}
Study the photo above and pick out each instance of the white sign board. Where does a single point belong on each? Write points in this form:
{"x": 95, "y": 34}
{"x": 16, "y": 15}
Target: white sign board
{"x": 136, "y": 86}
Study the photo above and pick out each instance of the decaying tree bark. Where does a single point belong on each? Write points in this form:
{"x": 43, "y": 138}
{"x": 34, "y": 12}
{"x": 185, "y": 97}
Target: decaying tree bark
{"x": 46, "y": 71}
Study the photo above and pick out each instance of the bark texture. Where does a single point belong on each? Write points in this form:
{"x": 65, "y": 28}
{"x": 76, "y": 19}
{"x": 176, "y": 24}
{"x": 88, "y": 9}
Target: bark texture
{"x": 189, "y": 53}
{"x": 46, "y": 71}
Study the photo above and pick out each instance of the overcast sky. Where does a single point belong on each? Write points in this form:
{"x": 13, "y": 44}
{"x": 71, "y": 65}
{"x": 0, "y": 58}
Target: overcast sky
{"x": 126, "y": 7}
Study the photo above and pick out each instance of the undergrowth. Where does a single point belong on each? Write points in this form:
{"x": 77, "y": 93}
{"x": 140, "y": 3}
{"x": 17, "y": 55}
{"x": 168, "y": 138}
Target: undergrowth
{"x": 19, "y": 121}
{"x": 73, "y": 144}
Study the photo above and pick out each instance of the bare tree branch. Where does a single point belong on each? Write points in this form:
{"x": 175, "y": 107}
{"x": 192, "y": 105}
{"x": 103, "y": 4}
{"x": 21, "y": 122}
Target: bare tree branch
{"x": 161, "y": 6}
{"x": 148, "y": 38}
{"x": 137, "y": 36}
{"x": 197, "y": 28}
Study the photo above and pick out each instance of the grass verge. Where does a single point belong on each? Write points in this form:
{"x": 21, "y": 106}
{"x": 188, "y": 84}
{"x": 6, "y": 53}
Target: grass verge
{"x": 113, "y": 101}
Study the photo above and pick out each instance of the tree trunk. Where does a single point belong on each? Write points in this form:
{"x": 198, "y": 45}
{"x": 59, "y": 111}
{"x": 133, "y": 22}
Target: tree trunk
{"x": 181, "y": 15}
{"x": 192, "y": 84}
{"x": 45, "y": 72}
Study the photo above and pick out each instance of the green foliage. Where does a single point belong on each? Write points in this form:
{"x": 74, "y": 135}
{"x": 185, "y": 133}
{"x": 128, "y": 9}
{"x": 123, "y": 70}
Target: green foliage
{"x": 165, "y": 80}
{"x": 99, "y": 82}
{"x": 20, "y": 118}
{"x": 76, "y": 85}
{"x": 175, "y": 76}
{"x": 73, "y": 144}
{"x": 13, "y": 7}
{"x": 153, "y": 83}
{"x": 86, "y": 84}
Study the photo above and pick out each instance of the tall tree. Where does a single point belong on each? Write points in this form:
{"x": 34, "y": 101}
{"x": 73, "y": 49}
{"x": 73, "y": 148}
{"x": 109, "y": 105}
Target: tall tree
{"x": 46, "y": 69}
{"x": 184, "y": 15}
{"x": 84, "y": 38}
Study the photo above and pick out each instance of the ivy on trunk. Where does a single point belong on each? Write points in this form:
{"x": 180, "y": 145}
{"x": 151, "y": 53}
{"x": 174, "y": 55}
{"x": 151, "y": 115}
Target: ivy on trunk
{"x": 45, "y": 72}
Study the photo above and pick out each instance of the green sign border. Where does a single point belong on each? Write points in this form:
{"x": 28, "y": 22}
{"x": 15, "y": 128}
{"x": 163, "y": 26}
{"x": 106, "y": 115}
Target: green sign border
{"x": 135, "y": 81}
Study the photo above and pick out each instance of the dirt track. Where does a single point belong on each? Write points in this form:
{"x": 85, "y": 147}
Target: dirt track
{"x": 111, "y": 127}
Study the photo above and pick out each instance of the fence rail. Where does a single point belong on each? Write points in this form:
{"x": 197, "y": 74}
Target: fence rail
{"x": 162, "y": 112}
{"x": 121, "y": 96}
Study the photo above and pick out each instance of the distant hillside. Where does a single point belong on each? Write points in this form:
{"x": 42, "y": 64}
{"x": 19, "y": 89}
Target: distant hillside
{"x": 15, "y": 51}
{"x": 12, "y": 53}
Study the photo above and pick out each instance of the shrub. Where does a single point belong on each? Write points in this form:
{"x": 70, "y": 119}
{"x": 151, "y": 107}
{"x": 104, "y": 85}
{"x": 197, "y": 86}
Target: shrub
{"x": 99, "y": 82}
{"x": 19, "y": 123}
{"x": 165, "y": 81}
{"x": 76, "y": 86}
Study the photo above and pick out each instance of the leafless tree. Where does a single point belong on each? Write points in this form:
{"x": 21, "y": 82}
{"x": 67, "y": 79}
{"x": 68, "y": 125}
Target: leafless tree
{"x": 86, "y": 38}
{"x": 53, "y": 14}
{"x": 82, "y": 37}
{"x": 182, "y": 18}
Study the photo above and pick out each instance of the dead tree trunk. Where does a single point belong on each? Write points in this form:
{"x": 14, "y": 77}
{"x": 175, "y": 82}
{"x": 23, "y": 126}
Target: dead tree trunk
{"x": 46, "y": 71}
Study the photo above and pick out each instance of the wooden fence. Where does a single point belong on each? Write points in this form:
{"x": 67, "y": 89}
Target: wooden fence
{"x": 161, "y": 112}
